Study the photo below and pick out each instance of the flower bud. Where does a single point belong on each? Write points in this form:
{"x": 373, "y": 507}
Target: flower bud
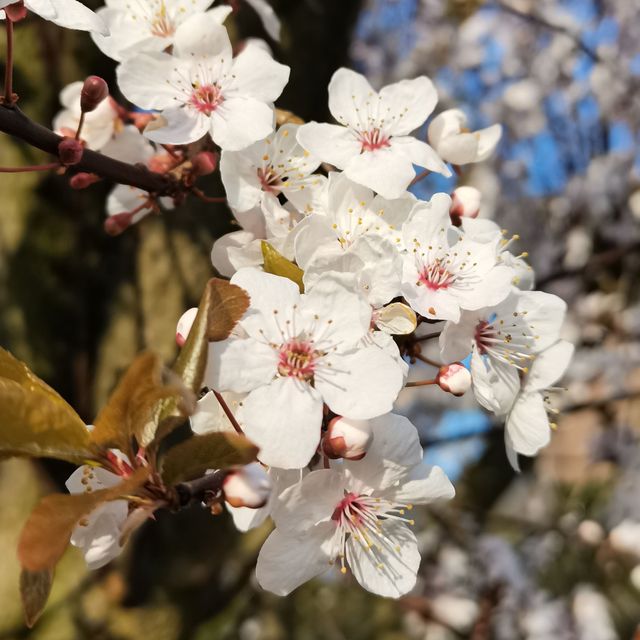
{"x": 94, "y": 91}
{"x": 184, "y": 325}
{"x": 465, "y": 203}
{"x": 454, "y": 379}
{"x": 83, "y": 179}
{"x": 114, "y": 225}
{"x": 70, "y": 151}
{"x": 346, "y": 438}
{"x": 204, "y": 163}
{"x": 16, "y": 11}
{"x": 249, "y": 486}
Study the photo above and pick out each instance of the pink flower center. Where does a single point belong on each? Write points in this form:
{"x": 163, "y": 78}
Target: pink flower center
{"x": 485, "y": 336}
{"x": 269, "y": 180}
{"x": 373, "y": 139}
{"x": 162, "y": 27}
{"x": 434, "y": 276}
{"x": 297, "y": 359}
{"x": 346, "y": 510}
{"x": 206, "y": 98}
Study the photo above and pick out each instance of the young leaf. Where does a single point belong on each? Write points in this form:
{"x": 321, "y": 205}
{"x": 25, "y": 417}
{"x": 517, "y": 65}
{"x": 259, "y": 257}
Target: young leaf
{"x": 46, "y": 534}
{"x": 191, "y": 458}
{"x": 35, "y": 421}
{"x": 35, "y": 587}
{"x": 132, "y": 409}
{"x": 276, "y": 263}
{"x": 221, "y": 306}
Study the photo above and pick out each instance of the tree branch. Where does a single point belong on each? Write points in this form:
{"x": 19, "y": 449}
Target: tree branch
{"x": 15, "y": 123}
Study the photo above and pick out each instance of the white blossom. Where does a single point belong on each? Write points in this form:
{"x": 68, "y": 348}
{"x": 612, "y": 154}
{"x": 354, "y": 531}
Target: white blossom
{"x": 356, "y": 515}
{"x": 371, "y": 143}
{"x": 443, "y": 271}
{"x": 456, "y": 144}
{"x": 148, "y": 25}
{"x": 69, "y": 14}
{"x": 202, "y": 88}
{"x": 297, "y": 353}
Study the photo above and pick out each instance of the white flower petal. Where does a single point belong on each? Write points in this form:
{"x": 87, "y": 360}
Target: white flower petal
{"x": 284, "y": 419}
{"x": 349, "y": 92}
{"x": 240, "y": 365}
{"x": 329, "y": 142}
{"x": 361, "y": 384}
{"x": 388, "y": 569}
{"x": 425, "y": 484}
{"x": 287, "y": 561}
{"x": 202, "y": 36}
{"x": 413, "y": 99}
{"x": 421, "y": 153}
{"x": 528, "y": 424}
{"x": 240, "y": 121}
{"x": 549, "y": 366}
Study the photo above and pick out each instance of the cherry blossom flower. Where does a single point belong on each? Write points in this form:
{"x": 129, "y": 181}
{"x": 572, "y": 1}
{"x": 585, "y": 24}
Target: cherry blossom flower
{"x": 503, "y": 340}
{"x": 454, "y": 143}
{"x": 98, "y": 535}
{"x": 99, "y": 126}
{"x": 355, "y": 514}
{"x": 69, "y": 14}
{"x": 149, "y": 25}
{"x": 443, "y": 271}
{"x": 202, "y": 89}
{"x": 299, "y": 352}
{"x": 355, "y": 232}
{"x": 371, "y": 143}
{"x": 527, "y": 427}
{"x": 266, "y": 169}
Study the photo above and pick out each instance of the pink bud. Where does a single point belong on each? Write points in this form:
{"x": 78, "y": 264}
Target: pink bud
{"x": 16, "y": 11}
{"x": 249, "y": 486}
{"x": 114, "y": 225}
{"x": 204, "y": 163}
{"x": 346, "y": 438}
{"x": 83, "y": 179}
{"x": 184, "y": 325}
{"x": 70, "y": 151}
{"x": 94, "y": 91}
{"x": 465, "y": 203}
{"x": 454, "y": 378}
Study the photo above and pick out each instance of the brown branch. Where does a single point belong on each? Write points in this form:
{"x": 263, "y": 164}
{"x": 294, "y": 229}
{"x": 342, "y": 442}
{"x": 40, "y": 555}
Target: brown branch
{"x": 15, "y": 123}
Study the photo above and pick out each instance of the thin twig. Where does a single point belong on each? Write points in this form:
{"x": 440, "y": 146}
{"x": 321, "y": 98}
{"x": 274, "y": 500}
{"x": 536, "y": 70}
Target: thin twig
{"x": 228, "y": 412}
{"x": 33, "y": 167}
{"x": 421, "y": 383}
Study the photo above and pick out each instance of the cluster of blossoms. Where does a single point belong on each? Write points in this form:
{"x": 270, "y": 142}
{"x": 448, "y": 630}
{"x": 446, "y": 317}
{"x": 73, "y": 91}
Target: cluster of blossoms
{"x": 314, "y": 367}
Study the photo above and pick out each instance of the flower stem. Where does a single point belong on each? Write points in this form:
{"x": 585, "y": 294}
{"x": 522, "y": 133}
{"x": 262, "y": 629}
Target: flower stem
{"x": 420, "y": 383}
{"x": 420, "y": 176}
{"x": 8, "y": 70}
{"x": 228, "y": 412}
{"x": 80, "y": 125}
{"x": 426, "y": 360}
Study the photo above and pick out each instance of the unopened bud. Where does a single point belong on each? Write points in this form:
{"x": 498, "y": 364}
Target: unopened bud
{"x": 249, "y": 486}
{"x": 83, "y": 179}
{"x": 204, "y": 163}
{"x": 454, "y": 379}
{"x": 465, "y": 203}
{"x": 94, "y": 91}
{"x": 346, "y": 438}
{"x": 184, "y": 325}
{"x": 16, "y": 11}
{"x": 70, "y": 151}
{"x": 114, "y": 225}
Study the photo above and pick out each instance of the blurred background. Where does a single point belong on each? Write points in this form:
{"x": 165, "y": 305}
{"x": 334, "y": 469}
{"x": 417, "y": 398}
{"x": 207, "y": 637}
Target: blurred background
{"x": 550, "y": 554}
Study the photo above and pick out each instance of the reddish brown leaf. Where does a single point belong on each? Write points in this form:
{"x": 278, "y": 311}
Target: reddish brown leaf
{"x": 35, "y": 587}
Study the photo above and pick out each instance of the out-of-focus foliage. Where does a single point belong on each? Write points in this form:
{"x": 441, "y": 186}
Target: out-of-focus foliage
{"x": 533, "y": 556}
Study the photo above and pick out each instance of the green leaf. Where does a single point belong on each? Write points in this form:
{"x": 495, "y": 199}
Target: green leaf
{"x": 35, "y": 420}
{"x": 221, "y": 306}
{"x": 35, "y": 587}
{"x": 46, "y": 534}
{"x": 276, "y": 263}
{"x": 191, "y": 458}
{"x": 133, "y": 409}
